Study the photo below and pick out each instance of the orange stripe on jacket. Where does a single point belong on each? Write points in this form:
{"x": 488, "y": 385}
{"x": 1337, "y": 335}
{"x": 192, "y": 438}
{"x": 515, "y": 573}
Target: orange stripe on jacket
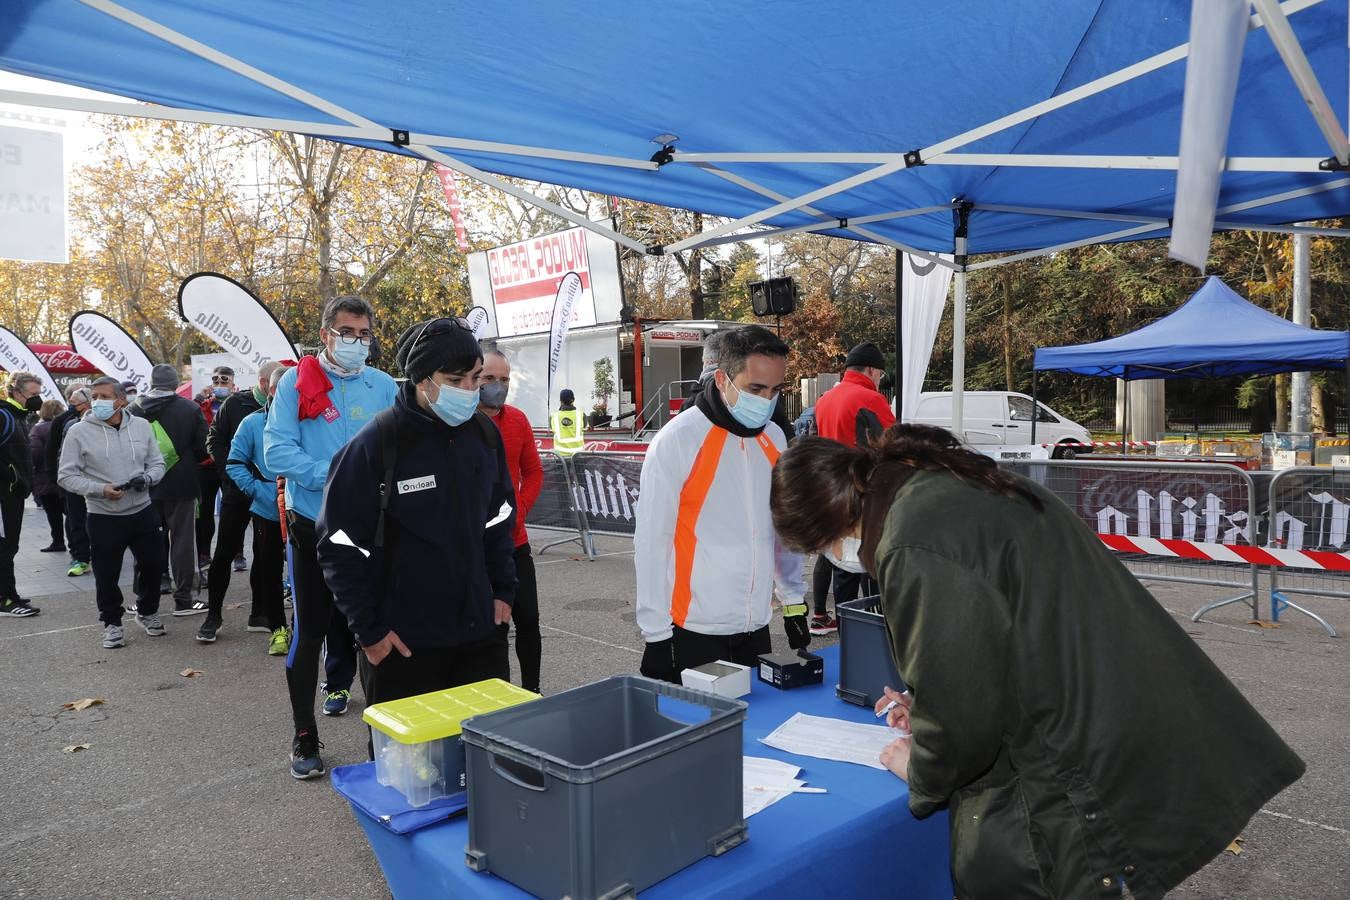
{"x": 692, "y": 497}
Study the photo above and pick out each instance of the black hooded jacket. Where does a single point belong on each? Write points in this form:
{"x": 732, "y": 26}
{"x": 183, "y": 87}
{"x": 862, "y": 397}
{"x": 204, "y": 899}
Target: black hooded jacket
{"x": 185, "y": 425}
{"x": 221, "y": 433}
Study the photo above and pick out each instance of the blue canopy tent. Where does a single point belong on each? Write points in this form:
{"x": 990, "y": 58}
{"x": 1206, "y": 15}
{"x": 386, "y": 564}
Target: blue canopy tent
{"x": 1214, "y": 334}
{"x": 932, "y": 127}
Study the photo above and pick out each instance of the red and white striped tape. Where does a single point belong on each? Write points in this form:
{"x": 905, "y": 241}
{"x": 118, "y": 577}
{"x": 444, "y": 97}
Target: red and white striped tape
{"x": 1261, "y": 556}
{"x": 1104, "y": 444}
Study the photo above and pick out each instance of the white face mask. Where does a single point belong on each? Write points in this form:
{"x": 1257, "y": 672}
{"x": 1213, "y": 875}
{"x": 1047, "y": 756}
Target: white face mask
{"x": 847, "y": 557}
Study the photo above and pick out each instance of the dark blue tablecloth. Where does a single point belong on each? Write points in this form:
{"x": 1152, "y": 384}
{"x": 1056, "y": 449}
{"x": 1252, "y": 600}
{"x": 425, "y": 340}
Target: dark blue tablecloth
{"x": 857, "y": 841}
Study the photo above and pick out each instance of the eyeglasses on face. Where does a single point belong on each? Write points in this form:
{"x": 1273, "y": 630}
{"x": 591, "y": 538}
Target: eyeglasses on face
{"x": 348, "y": 336}
{"x": 221, "y": 379}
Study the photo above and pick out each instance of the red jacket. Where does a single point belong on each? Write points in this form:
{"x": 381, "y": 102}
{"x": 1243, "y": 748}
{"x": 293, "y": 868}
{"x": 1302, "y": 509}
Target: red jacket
{"x": 851, "y": 408}
{"x": 522, "y": 459}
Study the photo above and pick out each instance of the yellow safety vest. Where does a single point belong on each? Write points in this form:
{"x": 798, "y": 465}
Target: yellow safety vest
{"x": 568, "y": 431}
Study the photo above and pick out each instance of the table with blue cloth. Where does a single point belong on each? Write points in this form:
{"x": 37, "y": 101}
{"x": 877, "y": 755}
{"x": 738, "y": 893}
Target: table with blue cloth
{"x": 859, "y": 840}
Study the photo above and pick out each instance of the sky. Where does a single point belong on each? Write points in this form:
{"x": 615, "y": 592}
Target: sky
{"x": 80, "y": 139}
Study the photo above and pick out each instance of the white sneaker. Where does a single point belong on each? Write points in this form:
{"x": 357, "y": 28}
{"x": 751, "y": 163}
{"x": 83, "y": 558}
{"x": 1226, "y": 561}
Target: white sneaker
{"x": 152, "y": 625}
{"x": 113, "y": 637}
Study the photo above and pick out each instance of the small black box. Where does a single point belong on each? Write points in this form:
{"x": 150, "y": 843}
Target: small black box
{"x": 789, "y": 669}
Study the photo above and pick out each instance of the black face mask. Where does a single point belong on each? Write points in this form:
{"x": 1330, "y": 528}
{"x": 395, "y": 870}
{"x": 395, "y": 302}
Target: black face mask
{"x": 33, "y": 404}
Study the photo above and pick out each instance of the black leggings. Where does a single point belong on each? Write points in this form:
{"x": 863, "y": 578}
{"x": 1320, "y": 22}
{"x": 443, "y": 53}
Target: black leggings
{"x": 234, "y": 519}
{"x": 525, "y": 617}
{"x": 316, "y": 620}
{"x": 54, "y": 507}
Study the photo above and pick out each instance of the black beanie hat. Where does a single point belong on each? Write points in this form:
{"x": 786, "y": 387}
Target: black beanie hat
{"x": 436, "y": 345}
{"x": 865, "y": 355}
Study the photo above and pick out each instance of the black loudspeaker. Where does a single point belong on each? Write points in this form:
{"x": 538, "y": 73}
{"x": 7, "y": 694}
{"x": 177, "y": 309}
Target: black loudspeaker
{"x": 775, "y": 297}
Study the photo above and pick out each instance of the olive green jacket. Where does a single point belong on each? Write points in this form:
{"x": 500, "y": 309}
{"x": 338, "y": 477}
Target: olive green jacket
{"x": 1077, "y": 733}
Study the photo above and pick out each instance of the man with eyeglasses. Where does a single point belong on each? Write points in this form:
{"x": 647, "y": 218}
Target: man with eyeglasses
{"x": 318, "y": 407}
{"x": 707, "y": 557}
{"x": 416, "y": 532}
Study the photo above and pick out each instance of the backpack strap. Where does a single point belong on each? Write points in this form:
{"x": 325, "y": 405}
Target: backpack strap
{"x": 384, "y": 422}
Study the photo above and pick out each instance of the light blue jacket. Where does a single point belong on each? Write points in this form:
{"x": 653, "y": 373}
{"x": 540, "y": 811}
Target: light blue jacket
{"x": 300, "y": 451}
{"x": 247, "y": 447}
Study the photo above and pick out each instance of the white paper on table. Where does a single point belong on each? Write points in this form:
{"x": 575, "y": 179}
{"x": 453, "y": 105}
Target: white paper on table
{"x": 835, "y": 739}
{"x": 765, "y": 782}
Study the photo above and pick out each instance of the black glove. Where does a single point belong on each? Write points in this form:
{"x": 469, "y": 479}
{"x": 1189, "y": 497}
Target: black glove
{"x": 658, "y": 661}
{"x": 138, "y": 483}
{"x": 794, "y": 624}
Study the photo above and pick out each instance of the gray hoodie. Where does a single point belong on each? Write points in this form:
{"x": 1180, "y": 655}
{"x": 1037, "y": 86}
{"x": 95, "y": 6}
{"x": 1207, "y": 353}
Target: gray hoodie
{"x": 96, "y": 453}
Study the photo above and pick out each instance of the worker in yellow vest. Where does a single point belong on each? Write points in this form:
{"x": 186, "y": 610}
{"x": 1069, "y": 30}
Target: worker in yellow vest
{"x": 568, "y": 428}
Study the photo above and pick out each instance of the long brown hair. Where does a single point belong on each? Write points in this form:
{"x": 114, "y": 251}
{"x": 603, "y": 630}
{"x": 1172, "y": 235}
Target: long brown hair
{"x": 818, "y": 484}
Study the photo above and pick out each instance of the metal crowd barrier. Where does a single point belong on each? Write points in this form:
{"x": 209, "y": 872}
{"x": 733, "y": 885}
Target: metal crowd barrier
{"x": 1146, "y": 502}
{"x": 1309, "y": 511}
{"x": 556, "y": 507}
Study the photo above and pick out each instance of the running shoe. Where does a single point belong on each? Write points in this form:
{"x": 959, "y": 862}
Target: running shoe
{"x": 53, "y": 548}
{"x": 240, "y": 564}
{"x": 113, "y": 637}
{"x": 195, "y": 608}
{"x": 305, "y": 760}
{"x": 18, "y": 608}
{"x": 335, "y": 704}
{"x": 207, "y": 633}
{"x": 258, "y": 624}
{"x": 79, "y": 568}
{"x": 826, "y": 624}
{"x": 280, "y": 642}
{"x": 152, "y": 625}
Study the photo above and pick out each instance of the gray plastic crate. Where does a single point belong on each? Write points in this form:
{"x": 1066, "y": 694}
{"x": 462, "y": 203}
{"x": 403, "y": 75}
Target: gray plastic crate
{"x": 865, "y": 663}
{"x": 602, "y": 791}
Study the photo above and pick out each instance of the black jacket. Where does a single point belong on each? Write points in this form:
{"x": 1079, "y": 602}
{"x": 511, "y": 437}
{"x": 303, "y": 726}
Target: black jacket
{"x": 183, "y": 421}
{"x": 434, "y": 580}
{"x": 221, "y": 433}
{"x": 16, "y": 456}
{"x": 60, "y": 425}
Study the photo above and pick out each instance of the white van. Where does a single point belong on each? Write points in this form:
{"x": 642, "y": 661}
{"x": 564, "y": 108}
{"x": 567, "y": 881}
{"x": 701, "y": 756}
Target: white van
{"x": 999, "y": 418}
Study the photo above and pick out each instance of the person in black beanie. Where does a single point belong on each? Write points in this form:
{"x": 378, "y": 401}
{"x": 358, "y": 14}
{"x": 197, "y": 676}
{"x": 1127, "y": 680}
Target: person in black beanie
{"x": 422, "y": 491}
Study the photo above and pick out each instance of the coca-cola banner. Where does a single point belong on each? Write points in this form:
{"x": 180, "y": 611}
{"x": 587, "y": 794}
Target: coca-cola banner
{"x": 229, "y": 314}
{"x": 61, "y": 359}
{"x": 108, "y": 346}
{"x": 15, "y": 356}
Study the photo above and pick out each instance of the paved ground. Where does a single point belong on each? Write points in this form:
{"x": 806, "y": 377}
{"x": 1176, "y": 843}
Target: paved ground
{"x": 184, "y": 791}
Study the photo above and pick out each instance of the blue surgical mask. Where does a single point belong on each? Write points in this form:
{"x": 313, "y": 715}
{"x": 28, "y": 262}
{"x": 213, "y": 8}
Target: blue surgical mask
{"x": 221, "y": 392}
{"x": 752, "y": 411}
{"x": 350, "y": 356}
{"x": 103, "y": 409}
{"x": 454, "y": 405}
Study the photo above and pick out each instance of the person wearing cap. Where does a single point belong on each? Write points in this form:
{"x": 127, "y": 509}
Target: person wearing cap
{"x": 23, "y": 397}
{"x": 567, "y": 425}
{"x": 707, "y": 558}
{"x": 180, "y": 429}
{"x": 416, "y": 534}
{"x": 209, "y": 473}
{"x": 853, "y": 413}
{"x": 318, "y": 407}
{"x": 527, "y": 476}
{"x": 77, "y": 537}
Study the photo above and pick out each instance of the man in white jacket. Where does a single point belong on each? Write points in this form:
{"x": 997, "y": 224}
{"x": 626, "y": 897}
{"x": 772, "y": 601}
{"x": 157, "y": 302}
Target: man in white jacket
{"x": 707, "y": 557}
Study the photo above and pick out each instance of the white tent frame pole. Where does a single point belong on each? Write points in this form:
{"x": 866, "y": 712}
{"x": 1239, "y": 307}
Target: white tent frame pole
{"x": 959, "y": 345}
{"x": 299, "y": 126}
{"x": 1027, "y": 160}
{"x": 763, "y": 191}
{"x": 1160, "y": 163}
{"x": 1162, "y": 224}
{"x": 257, "y": 75}
{"x": 1296, "y": 61}
{"x": 822, "y": 225}
{"x": 1143, "y": 220}
{"x": 788, "y": 205}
